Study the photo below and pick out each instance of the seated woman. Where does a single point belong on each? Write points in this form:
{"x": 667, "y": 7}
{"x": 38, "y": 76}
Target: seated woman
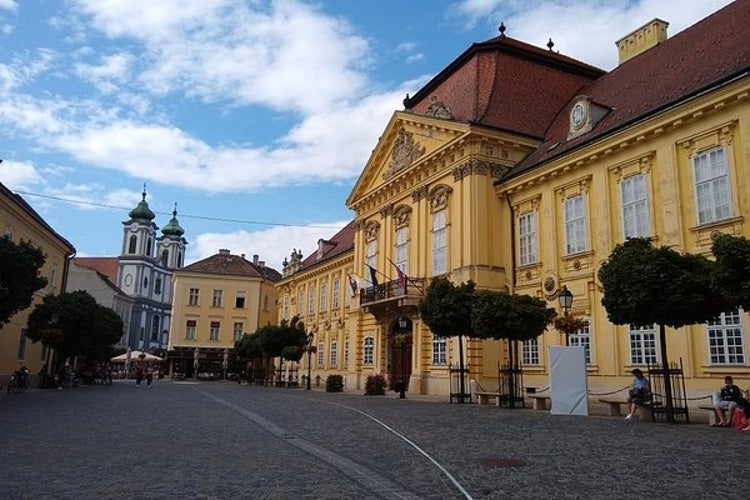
{"x": 640, "y": 393}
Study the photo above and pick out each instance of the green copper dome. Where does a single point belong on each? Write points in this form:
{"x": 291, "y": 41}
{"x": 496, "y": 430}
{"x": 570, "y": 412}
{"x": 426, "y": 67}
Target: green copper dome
{"x": 173, "y": 227}
{"x": 141, "y": 211}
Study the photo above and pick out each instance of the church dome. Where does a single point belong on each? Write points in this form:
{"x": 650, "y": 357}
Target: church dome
{"x": 173, "y": 227}
{"x": 141, "y": 211}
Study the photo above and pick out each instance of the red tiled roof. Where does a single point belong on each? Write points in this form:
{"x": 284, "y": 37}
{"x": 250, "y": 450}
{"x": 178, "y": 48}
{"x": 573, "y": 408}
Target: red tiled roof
{"x": 103, "y": 265}
{"x": 338, "y": 244}
{"x": 506, "y": 84}
{"x": 232, "y": 265}
{"x": 709, "y": 53}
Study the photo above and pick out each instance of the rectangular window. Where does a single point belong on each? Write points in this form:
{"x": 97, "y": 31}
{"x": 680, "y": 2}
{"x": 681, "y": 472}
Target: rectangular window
{"x": 712, "y": 195}
{"x": 213, "y": 333}
{"x": 369, "y": 351}
{"x": 311, "y": 297}
{"x": 402, "y": 250}
{"x": 239, "y": 299}
{"x": 371, "y": 257}
{"x": 336, "y": 293}
{"x": 575, "y": 225}
{"x": 324, "y": 296}
{"x": 531, "y": 352}
{"x": 582, "y": 338}
{"x": 725, "y": 339}
{"x": 527, "y": 238}
{"x": 301, "y": 303}
{"x": 439, "y": 244}
{"x": 642, "y": 345}
{"x": 193, "y": 297}
{"x": 439, "y": 350}
{"x": 635, "y": 221}
{"x": 190, "y": 326}
{"x": 218, "y": 297}
{"x": 286, "y": 307}
{"x": 157, "y": 286}
{"x": 237, "y": 330}
{"x": 333, "y": 356}
{"x": 321, "y": 354}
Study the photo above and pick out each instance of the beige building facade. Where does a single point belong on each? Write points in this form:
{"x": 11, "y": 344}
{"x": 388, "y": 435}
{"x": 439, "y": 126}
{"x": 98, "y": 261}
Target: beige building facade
{"x": 216, "y": 301}
{"x": 19, "y": 222}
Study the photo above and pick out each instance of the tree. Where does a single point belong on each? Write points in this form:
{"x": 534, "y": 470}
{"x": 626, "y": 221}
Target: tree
{"x": 20, "y": 265}
{"x": 643, "y": 286}
{"x": 732, "y": 270}
{"x": 76, "y": 325}
{"x": 446, "y": 310}
{"x": 515, "y": 318}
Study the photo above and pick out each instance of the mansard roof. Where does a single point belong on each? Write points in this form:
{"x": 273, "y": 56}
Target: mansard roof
{"x": 339, "y": 243}
{"x": 226, "y": 264}
{"x": 505, "y": 84}
{"x": 705, "y": 56}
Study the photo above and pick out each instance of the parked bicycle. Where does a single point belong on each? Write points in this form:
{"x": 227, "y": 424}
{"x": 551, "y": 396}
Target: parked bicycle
{"x": 19, "y": 381}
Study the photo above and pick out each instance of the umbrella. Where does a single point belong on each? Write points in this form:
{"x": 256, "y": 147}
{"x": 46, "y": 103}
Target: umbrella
{"x": 122, "y": 358}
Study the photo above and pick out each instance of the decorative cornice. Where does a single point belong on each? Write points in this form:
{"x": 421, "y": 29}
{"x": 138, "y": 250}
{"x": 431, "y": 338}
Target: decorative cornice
{"x": 419, "y": 193}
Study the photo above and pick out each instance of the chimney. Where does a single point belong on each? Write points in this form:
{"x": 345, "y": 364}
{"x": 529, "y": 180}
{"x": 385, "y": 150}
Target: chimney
{"x": 262, "y": 263}
{"x": 639, "y": 41}
{"x": 223, "y": 251}
{"x": 255, "y": 259}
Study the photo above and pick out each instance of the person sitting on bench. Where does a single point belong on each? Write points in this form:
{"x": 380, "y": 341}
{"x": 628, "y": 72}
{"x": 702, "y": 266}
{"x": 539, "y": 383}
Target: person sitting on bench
{"x": 726, "y": 400}
{"x": 640, "y": 393}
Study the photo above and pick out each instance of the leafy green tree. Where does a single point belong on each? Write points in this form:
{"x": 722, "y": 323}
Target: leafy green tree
{"x": 643, "y": 285}
{"x": 446, "y": 310}
{"x": 515, "y": 318}
{"x": 20, "y": 265}
{"x": 732, "y": 271}
{"x": 76, "y": 325}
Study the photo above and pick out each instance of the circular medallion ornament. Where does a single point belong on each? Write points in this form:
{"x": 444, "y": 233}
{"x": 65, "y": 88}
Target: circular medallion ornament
{"x": 128, "y": 279}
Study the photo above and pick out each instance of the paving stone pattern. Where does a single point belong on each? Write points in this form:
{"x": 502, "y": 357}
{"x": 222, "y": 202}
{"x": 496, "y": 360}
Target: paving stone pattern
{"x": 220, "y": 440}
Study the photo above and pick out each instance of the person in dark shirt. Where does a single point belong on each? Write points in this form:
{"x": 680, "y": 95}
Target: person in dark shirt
{"x": 726, "y": 400}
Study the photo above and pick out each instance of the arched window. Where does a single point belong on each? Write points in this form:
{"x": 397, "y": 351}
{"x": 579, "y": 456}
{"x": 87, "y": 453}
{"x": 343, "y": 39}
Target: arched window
{"x": 132, "y": 243}
{"x": 164, "y": 256}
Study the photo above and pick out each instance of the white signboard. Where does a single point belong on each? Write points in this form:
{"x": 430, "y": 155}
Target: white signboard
{"x": 568, "y": 384}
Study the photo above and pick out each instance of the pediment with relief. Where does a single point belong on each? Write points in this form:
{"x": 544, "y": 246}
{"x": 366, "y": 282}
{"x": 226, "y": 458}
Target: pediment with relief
{"x": 405, "y": 152}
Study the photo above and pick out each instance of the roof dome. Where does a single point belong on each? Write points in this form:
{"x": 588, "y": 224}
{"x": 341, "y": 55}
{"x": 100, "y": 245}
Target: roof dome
{"x": 141, "y": 211}
{"x": 173, "y": 227}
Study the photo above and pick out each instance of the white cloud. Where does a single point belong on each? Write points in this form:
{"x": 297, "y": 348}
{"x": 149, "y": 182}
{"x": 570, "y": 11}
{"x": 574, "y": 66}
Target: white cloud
{"x": 10, "y": 5}
{"x": 271, "y": 245}
{"x": 19, "y": 175}
{"x": 105, "y": 76}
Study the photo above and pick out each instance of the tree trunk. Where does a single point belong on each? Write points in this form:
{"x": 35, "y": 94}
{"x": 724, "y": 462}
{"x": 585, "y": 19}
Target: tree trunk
{"x": 669, "y": 404}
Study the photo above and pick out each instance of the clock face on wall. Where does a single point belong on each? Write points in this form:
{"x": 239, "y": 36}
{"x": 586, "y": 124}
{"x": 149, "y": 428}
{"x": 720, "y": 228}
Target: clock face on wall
{"x": 577, "y": 115}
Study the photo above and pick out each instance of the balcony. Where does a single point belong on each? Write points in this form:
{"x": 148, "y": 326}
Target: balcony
{"x": 390, "y": 297}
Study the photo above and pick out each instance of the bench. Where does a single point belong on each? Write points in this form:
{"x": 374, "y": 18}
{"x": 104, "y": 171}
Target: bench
{"x": 483, "y": 397}
{"x": 539, "y": 402}
{"x": 615, "y": 404}
{"x": 711, "y": 414}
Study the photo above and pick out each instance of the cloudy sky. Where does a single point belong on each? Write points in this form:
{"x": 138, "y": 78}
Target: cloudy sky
{"x": 254, "y": 116}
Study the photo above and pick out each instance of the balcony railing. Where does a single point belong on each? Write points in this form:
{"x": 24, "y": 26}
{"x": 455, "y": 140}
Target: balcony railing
{"x": 414, "y": 287}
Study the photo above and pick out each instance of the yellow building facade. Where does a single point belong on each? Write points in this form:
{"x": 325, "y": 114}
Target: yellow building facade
{"x": 20, "y": 222}
{"x": 520, "y": 168}
{"x": 217, "y": 300}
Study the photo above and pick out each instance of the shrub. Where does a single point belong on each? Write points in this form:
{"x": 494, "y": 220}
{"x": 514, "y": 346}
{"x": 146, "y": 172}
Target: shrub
{"x": 375, "y": 385}
{"x": 334, "y": 383}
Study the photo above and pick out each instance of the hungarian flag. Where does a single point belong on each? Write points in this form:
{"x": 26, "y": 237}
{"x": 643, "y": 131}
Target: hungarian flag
{"x": 401, "y": 278}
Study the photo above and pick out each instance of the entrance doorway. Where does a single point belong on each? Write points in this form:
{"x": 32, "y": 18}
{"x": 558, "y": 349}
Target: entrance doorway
{"x": 400, "y": 352}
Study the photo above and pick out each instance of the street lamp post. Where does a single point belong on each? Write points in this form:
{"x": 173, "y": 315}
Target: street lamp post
{"x": 310, "y": 338}
{"x": 402, "y": 323}
{"x": 565, "y": 297}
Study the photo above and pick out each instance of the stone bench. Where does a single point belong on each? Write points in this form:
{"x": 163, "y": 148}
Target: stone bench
{"x": 539, "y": 402}
{"x": 484, "y": 397}
{"x": 614, "y": 407}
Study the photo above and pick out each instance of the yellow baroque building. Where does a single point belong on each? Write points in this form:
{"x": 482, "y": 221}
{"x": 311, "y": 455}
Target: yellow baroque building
{"x": 520, "y": 168}
{"x": 217, "y": 300}
{"x": 20, "y": 222}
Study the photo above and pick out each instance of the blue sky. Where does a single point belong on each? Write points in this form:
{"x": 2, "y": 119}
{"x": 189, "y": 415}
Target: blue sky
{"x": 254, "y": 116}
